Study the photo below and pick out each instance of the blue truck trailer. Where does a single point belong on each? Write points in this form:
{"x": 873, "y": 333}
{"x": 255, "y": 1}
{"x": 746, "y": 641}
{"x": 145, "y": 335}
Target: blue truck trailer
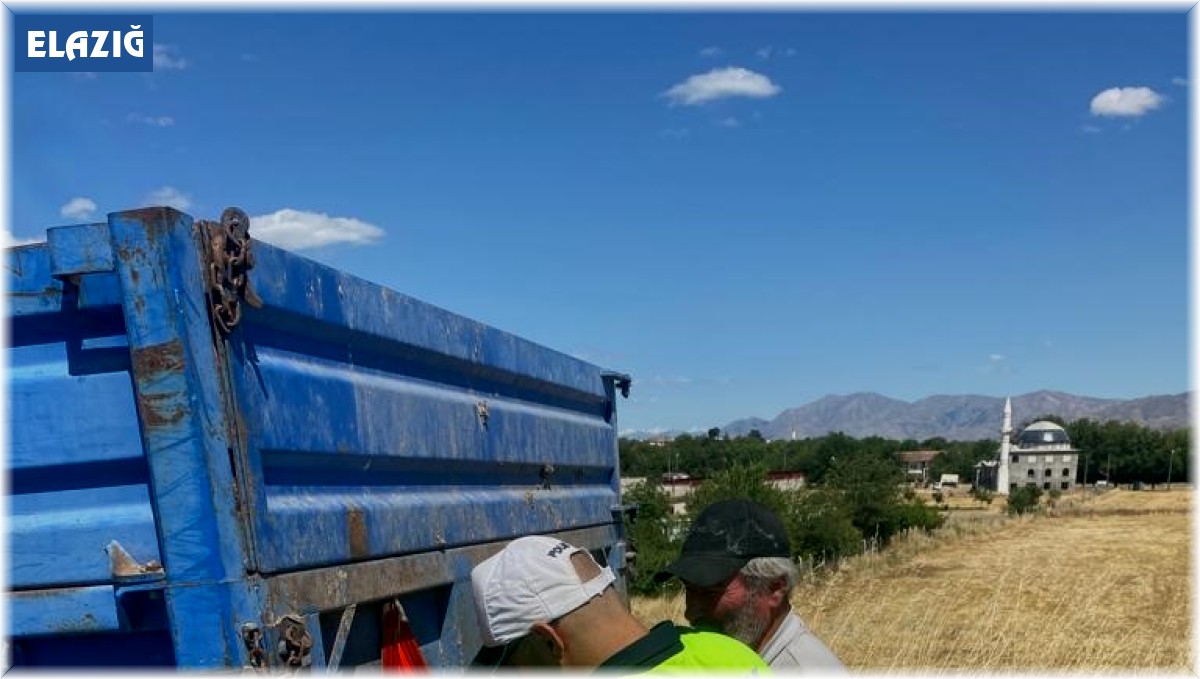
{"x": 225, "y": 455}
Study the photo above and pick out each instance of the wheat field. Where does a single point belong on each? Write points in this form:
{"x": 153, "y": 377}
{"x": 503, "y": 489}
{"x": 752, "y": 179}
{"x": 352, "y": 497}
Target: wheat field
{"x": 1098, "y": 584}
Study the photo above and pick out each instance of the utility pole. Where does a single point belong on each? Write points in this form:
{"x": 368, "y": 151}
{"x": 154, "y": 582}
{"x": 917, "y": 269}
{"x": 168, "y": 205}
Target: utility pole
{"x": 1108, "y": 470}
{"x": 1170, "y": 465}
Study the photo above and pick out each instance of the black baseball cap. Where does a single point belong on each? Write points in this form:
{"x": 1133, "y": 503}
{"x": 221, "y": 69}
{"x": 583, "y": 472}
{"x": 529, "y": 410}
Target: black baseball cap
{"x": 723, "y": 539}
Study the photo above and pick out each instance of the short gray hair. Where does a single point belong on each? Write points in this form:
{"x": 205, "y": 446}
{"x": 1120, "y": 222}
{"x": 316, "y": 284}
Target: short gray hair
{"x": 761, "y": 571}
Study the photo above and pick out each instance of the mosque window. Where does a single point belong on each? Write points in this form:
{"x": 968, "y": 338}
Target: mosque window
{"x": 1066, "y": 472}
{"x": 1048, "y": 472}
{"x": 1029, "y": 473}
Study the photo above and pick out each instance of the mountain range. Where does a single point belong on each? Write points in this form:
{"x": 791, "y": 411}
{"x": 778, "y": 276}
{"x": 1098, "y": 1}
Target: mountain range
{"x": 958, "y": 418}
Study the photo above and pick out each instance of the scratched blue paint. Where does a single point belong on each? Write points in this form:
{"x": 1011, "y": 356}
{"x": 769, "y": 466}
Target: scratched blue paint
{"x": 67, "y": 610}
{"x": 41, "y": 387}
{"x": 348, "y": 422}
{"x": 184, "y": 433}
{"x": 58, "y": 537}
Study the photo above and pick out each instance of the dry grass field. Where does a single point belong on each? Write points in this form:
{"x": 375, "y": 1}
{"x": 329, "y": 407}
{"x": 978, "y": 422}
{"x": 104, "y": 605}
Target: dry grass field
{"x": 1099, "y": 584}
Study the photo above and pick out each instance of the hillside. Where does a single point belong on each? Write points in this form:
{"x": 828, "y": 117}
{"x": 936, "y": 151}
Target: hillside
{"x": 961, "y": 417}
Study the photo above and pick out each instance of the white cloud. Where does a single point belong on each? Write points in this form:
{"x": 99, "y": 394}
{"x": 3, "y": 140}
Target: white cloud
{"x": 1091, "y": 129}
{"x": 78, "y": 208}
{"x": 1182, "y": 82}
{"x": 721, "y": 83}
{"x": 167, "y": 58}
{"x": 710, "y": 51}
{"x": 1126, "y": 101}
{"x": 249, "y": 57}
{"x": 675, "y": 133}
{"x": 765, "y": 52}
{"x": 996, "y": 357}
{"x": 791, "y": 52}
{"x": 8, "y": 241}
{"x": 298, "y": 230}
{"x": 154, "y": 121}
{"x": 169, "y": 196}
{"x": 730, "y": 122}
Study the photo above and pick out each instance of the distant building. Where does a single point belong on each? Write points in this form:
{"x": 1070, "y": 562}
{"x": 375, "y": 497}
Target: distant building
{"x": 1042, "y": 456}
{"x": 916, "y": 464}
{"x": 679, "y": 486}
{"x": 787, "y": 480}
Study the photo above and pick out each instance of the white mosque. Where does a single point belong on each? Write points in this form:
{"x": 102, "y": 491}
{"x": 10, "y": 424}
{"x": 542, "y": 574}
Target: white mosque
{"x": 1041, "y": 456}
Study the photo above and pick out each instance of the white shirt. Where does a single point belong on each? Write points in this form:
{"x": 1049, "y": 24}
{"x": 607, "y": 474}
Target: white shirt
{"x": 795, "y": 648}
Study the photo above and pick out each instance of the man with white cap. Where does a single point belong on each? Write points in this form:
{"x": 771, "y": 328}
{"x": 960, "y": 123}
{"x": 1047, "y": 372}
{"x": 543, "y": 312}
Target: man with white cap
{"x": 541, "y": 602}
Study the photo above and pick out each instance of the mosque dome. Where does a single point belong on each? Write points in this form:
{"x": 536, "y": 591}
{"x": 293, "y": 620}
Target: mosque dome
{"x": 1043, "y": 433}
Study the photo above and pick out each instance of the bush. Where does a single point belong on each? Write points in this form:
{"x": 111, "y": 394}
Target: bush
{"x": 1024, "y": 500}
{"x": 918, "y": 515}
{"x": 821, "y": 528}
{"x": 982, "y": 494}
{"x": 651, "y": 535}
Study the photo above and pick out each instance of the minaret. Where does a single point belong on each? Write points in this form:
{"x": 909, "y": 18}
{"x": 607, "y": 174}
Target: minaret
{"x": 1005, "y": 432}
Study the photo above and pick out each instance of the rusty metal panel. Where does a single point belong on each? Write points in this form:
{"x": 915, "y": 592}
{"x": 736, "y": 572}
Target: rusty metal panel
{"x": 183, "y": 411}
{"x": 82, "y": 249}
{"x": 422, "y": 413}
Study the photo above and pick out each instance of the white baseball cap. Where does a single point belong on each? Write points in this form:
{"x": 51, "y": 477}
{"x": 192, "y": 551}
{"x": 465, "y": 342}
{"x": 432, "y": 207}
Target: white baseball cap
{"x": 531, "y": 580}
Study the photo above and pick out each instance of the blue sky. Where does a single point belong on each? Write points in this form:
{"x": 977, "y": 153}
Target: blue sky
{"x": 744, "y": 211}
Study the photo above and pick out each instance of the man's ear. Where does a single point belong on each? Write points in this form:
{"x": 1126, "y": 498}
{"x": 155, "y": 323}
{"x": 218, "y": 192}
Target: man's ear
{"x": 551, "y": 641}
{"x": 777, "y": 592}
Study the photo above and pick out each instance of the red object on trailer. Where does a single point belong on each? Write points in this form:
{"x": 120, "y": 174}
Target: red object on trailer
{"x": 400, "y": 652}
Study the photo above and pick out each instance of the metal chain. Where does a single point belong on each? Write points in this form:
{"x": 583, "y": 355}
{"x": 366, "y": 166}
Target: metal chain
{"x": 295, "y": 645}
{"x": 230, "y": 262}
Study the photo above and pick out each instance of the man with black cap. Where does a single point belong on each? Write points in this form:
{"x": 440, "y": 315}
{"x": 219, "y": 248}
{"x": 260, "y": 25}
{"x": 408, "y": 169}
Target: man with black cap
{"x": 737, "y": 570}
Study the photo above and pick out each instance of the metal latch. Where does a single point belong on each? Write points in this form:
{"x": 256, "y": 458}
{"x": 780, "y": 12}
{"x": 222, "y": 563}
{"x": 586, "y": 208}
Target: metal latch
{"x": 621, "y": 381}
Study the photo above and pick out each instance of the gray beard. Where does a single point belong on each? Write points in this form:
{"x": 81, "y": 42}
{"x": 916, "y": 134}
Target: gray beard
{"x": 745, "y": 627}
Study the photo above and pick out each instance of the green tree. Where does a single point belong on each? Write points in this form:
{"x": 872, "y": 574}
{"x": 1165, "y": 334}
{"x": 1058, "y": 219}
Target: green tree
{"x": 652, "y": 535}
{"x": 749, "y": 482}
{"x": 872, "y": 486}
{"x": 821, "y": 527}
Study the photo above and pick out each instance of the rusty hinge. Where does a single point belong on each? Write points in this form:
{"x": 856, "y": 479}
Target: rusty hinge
{"x": 252, "y": 637}
{"x": 230, "y": 260}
